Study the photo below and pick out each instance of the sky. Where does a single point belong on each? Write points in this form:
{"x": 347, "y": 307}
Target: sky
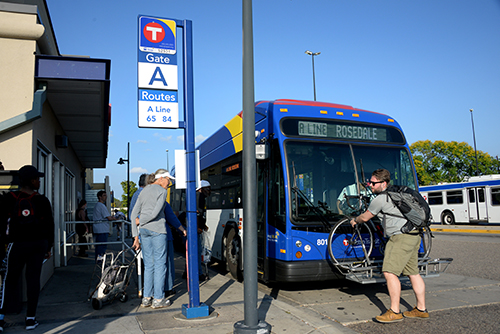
{"x": 425, "y": 63}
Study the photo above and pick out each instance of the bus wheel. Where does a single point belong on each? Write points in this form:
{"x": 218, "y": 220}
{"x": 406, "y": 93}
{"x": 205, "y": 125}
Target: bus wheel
{"x": 233, "y": 254}
{"x": 447, "y": 218}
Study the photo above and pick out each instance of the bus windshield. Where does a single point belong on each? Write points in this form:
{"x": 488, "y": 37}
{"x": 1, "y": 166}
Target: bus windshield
{"x": 326, "y": 179}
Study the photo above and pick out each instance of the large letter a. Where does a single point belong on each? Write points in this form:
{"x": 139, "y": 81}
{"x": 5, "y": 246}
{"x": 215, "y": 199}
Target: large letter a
{"x": 161, "y": 77}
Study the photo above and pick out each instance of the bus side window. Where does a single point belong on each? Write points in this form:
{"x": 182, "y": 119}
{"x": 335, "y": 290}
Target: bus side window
{"x": 435, "y": 198}
{"x": 472, "y": 197}
{"x": 454, "y": 197}
{"x": 480, "y": 195}
{"x": 495, "y": 196}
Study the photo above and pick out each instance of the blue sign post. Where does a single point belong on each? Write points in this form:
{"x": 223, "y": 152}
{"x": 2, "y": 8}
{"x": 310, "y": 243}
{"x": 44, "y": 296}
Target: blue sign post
{"x": 158, "y": 93}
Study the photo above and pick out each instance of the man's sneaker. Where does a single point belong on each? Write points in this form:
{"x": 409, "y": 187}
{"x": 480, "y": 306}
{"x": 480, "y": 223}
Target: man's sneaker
{"x": 389, "y": 317}
{"x": 147, "y": 301}
{"x": 2, "y": 325}
{"x": 416, "y": 313}
{"x": 31, "y": 324}
{"x": 160, "y": 303}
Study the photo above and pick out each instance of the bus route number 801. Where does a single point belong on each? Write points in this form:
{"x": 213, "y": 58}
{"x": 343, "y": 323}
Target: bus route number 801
{"x": 321, "y": 242}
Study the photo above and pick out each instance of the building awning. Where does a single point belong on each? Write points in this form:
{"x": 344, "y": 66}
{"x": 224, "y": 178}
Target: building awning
{"x": 78, "y": 92}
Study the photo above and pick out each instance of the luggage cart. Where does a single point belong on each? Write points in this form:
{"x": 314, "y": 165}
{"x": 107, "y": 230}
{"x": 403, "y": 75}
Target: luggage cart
{"x": 114, "y": 279}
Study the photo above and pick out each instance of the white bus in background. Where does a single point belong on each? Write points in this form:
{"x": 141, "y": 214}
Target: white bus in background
{"x": 475, "y": 201}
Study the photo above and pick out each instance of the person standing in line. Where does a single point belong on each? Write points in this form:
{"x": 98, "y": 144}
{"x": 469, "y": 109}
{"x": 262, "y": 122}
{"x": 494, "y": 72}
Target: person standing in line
{"x": 401, "y": 250}
{"x": 119, "y": 216}
{"x": 202, "y": 192}
{"x": 27, "y": 218}
{"x": 82, "y": 228}
{"x": 142, "y": 184}
{"x": 149, "y": 208}
{"x": 172, "y": 220}
{"x": 101, "y": 230}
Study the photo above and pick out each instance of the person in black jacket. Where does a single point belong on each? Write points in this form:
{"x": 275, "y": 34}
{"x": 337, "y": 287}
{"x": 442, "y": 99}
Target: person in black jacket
{"x": 26, "y": 218}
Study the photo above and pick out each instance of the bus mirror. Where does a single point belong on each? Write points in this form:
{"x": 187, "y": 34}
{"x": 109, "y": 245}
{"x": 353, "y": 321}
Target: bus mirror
{"x": 261, "y": 151}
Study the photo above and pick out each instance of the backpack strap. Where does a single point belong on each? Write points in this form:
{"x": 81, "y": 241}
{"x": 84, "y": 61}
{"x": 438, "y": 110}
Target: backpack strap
{"x": 387, "y": 199}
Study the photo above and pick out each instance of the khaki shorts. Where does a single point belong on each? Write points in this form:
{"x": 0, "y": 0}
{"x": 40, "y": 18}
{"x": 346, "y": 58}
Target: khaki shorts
{"x": 401, "y": 255}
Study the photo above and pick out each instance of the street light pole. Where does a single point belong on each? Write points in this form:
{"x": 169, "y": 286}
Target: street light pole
{"x": 312, "y": 54}
{"x": 474, "y": 137}
{"x": 168, "y": 169}
{"x": 121, "y": 162}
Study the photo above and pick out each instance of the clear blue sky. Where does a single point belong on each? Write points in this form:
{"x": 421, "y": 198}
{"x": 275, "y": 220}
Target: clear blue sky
{"x": 425, "y": 63}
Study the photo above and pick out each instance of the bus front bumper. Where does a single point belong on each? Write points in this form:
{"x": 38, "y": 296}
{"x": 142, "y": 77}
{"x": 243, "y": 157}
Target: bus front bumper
{"x": 302, "y": 271}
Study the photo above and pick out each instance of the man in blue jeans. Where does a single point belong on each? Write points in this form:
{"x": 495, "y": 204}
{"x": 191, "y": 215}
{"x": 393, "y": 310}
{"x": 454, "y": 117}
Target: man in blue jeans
{"x": 101, "y": 230}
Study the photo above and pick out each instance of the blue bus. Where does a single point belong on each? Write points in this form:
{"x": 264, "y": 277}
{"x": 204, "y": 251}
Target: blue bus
{"x": 309, "y": 155}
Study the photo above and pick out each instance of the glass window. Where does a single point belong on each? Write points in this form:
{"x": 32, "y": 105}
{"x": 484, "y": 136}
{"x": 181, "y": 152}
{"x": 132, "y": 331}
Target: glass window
{"x": 435, "y": 198}
{"x": 323, "y": 180}
{"x": 480, "y": 195}
{"x": 277, "y": 208}
{"x": 42, "y": 168}
{"x": 69, "y": 205}
{"x": 454, "y": 197}
{"x": 472, "y": 196}
{"x": 495, "y": 196}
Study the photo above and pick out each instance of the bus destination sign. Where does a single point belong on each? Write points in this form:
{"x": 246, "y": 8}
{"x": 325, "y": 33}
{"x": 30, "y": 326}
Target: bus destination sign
{"x": 342, "y": 131}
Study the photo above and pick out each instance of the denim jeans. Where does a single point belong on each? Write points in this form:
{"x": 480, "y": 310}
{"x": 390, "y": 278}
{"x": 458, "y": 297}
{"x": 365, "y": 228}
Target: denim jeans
{"x": 100, "y": 249}
{"x": 170, "y": 277}
{"x": 154, "y": 253}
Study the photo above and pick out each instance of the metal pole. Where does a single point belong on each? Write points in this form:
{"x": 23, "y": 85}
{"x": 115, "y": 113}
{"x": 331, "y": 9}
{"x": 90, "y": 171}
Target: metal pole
{"x": 314, "y": 77}
{"x": 193, "y": 258}
{"x": 251, "y": 323}
{"x": 167, "y": 162}
{"x": 312, "y": 54}
{"x": 474, "y": 136}
{"x": 128, "y": 182}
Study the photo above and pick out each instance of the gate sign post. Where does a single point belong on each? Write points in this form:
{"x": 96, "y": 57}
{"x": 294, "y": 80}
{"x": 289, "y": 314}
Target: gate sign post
{"x": 157, "y": 76}
{"x": 158, "y": 108}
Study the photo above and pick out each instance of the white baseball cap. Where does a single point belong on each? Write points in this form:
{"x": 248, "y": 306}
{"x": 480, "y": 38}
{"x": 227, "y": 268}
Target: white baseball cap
{"x": 166, "y": 174}
{"x": 203, "y": 184}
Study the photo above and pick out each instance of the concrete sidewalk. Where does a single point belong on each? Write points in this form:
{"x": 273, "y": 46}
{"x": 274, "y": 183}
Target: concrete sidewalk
{"x": 64, "y": 308}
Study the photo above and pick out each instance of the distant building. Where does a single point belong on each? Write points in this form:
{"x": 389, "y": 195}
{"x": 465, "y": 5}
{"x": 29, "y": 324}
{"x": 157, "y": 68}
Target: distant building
{"x": 55, "y": 111}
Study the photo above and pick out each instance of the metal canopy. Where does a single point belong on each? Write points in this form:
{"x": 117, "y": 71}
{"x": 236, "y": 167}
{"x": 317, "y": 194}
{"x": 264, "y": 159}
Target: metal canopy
{"x": 78, "y": 92}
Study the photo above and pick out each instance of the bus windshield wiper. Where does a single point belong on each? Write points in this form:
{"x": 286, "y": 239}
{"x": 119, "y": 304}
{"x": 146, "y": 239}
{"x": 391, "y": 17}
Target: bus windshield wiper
{"x": 314, "y": 208}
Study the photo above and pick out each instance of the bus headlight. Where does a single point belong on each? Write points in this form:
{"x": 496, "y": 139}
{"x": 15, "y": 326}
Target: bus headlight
{"x": 298, "y": 255}
{"x": 298, "y": 243}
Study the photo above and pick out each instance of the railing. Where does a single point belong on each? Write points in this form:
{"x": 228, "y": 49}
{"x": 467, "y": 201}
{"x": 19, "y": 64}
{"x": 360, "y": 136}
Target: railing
{"x": 68, "y": 233}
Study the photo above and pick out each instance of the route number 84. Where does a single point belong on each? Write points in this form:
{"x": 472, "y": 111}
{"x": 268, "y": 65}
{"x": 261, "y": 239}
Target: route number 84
{"x": 164, "y": 118}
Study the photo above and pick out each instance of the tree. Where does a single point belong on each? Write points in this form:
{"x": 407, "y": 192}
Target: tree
{"x": 133, "y": 189}
{"x": 442, "y": 161}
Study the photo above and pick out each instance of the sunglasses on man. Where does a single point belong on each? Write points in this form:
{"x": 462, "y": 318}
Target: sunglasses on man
{"x": 368, "y": 182}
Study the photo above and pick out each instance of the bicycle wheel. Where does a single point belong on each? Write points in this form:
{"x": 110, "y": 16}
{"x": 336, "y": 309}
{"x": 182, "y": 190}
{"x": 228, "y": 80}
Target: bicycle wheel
{"x": 349, "y": 247}
{"x": 426, "y": 244}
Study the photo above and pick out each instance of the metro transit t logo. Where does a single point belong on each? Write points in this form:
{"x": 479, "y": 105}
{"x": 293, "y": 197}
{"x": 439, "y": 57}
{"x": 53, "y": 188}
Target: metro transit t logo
{"x": 154, "y": 32}
{"x": 157, "y": 35}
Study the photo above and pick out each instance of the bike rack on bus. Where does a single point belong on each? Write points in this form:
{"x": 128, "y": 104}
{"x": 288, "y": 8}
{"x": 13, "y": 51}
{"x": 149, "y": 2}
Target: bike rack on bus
{"x": 367, "y": 274}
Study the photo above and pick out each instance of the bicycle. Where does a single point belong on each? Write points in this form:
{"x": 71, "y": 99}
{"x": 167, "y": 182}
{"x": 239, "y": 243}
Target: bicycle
{"x": 351, "y": 247}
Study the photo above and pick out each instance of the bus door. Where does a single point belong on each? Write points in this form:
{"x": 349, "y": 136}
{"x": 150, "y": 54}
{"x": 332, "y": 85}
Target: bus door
{"x": 262, "y": 176}
{"x": 477, "y": 204}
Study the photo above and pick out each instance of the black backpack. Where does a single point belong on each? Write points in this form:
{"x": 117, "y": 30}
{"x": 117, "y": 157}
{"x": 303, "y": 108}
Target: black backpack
{"x": 412, "y": 206}
{"x": 22, "y": 214}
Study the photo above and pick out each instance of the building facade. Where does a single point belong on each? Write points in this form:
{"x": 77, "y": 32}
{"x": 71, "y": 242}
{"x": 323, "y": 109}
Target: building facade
{"x": 54, "y": 110}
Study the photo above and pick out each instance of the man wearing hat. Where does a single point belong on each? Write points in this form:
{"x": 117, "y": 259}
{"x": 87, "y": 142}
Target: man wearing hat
{"x": 202, "y": 193}
{"x": 27, "y": 218}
